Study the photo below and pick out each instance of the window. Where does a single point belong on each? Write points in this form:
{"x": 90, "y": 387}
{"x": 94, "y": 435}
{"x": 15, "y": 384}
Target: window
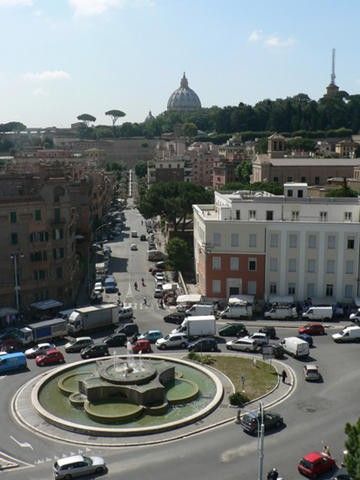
{"x": 237, "y": 214}
{"x": 349, "y": 267}
{"x": 252, "y": 240}
{"x": 329, "y": 290}
{"x": 252, "y": 214}
{"x": 303, "y": 179}
{"x": 289, "y": 179}
{"x": 274, "y": 240}
{"x": 37, "y": 215}
{"x": 348, "y": 291}
{"x": 269, "y": 215}
{"x": 234, "y": 263}
{"x": 291, "y": 289}
{"x": 295, "y": 215}
{"x": 323, "y": 216}
{"x": 58, "y": 253}
{"x": 57, "y": 214}
{"x": 300, "y": 193}
{"x": 292, "y": 265}
{"x": 289, "y": 193}
{"x": 216, "y": 286}
{"x": 59, "y": 272}
{"x": 311, "y": 265}
{"x": 317, "y": 181}
{"x": 217, "y": 239}
{"x": 12, "y": 217}
{"x": 216, "y": 263}
{"x": 273, "y": 288}
{"x": 252, "y": 264}
{"x": 234, "y": 239}
{"x": 39, "y": 274}
{"x": 276, "y": 179}
{"x": 331, "y": 241}
{"x": 38, "y": 256}
{"x": 58, "y": 234}
{"x": 310, "y": 290}
{"x": 350, "y": 243}
{"x": 14, "y": 239}
{"x": 330, "y": 266}
{"x": 348, "y": 216}
{"x": 273, "y": 264}
{"x": 312, "y": 241}
{"x": 293, "y": 241}
{"x": 251, "y": 287}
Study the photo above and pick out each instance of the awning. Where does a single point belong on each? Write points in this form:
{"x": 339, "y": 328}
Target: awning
{"x": 46, "y": 304}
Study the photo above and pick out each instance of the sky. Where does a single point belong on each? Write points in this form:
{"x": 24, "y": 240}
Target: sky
{"x": 61, "y": 58}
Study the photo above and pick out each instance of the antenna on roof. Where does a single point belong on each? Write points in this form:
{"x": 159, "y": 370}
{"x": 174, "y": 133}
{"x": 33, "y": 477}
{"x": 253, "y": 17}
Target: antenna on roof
{"x": 333, "y": 67}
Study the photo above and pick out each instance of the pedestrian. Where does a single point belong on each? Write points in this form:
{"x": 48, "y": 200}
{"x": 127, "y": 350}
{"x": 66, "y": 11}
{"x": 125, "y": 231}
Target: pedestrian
{"x": 284, "y": 376}
{"x": 326, "y": 451}
{"x": 145, "y": 301}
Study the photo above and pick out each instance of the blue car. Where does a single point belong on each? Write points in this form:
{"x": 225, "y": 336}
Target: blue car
{"x": 307, "y": 338}
{"x": 110, "y": 285}
{"x": 151, "y": 335}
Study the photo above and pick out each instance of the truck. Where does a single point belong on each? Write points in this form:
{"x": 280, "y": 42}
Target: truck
{"x": 295, "y": 347}
{"x": 319, "y": 313}
{"x": 45, "y": 330}
{"x": 10, "y": 362}
{"x": 200, "y": 309}
{"x": 199, "y": 326}
{"x": 93, "y": 317}
{"x": 281, "y": 313}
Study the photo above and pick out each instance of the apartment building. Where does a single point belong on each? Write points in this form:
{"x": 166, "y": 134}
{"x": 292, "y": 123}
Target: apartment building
{"x": 202, "y": 156}
{"x": 169, "y": 164}
{"x": 262, "y": 244}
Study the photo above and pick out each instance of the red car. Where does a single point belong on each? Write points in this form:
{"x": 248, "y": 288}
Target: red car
{"x": 315, "y": 464}
{"x": 50, "y": 357}
{"x": 312, "y": 329}
{"x": 143, "y": 346}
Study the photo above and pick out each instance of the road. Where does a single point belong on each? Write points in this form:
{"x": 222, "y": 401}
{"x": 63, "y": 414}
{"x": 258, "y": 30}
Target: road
{"x": 315, "y": 414}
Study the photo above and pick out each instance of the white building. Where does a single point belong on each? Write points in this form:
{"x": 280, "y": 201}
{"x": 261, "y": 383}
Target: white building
{"x": 262, "y": 244}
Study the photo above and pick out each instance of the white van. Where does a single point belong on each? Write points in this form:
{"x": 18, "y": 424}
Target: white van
{"x": 199, "y": 309}
{"x": 318, "y": 313}
{"x": 281, "y": 313}
{"x": 295, "y": 347}
{"x": 125, "y": 313}
{"x": 237, "y": 311}
{"x": 349, "y": 334}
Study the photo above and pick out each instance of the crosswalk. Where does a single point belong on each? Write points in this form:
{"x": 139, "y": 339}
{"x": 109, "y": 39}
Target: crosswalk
{"x": 150, "y": 305}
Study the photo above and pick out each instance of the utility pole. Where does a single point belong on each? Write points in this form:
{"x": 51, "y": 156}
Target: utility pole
{"x": 14, "y": 257}
{"x": 261, "y": 442}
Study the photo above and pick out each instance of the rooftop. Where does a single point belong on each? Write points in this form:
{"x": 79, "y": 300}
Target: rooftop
{"x": 309, "y": 161}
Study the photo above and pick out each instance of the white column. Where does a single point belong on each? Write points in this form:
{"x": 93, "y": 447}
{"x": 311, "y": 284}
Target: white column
{"x": 320, "y": 264}
{"x": 301, "y": 265}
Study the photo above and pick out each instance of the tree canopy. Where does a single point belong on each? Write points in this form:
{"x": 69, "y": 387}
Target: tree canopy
{"x": 12, "y": 127}
{"x": 243, "y": 171}
{"x": 141, "y": 169}
{"x": 86, "y": 118}
{"x": 179, "y": 254}
{"x": 352, "y": 444}
{"x": 173, "y": 201}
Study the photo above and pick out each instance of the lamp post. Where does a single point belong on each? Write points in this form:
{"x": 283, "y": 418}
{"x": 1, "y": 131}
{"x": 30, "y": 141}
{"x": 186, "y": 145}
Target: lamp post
{"x": 15, "y": 258}
{"x": 261, "y": 429}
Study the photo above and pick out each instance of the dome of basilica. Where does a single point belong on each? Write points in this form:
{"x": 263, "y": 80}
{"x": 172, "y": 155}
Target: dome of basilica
{"x": 183, "y": 99}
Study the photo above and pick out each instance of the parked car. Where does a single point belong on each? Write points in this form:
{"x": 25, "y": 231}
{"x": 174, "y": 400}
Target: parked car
{"x": 98, "y": 287}
{"x": 251, "y": 421}
{"x": 159, "y": 293}
{"x": 77, "y": 344}
{"x": 312, "y": 329}
{"x": 39, "y": 349}
{"x": 78, "y": 465}
{"x": 259, "y": 338}
{"x": 341, "y": 474}
{"x": 315, "y": 464}
{"x": 204, "y": 345}
{"x": 128, "y": 329}
{"x": 151, "y": 335}
{"x": 176, "y": 317}
{"x": 96, "y": 298}
{"x": 143, "y": 238}
{"x": 94, "y": 351}
{"x": 116, "y": 340}
{"x": 160, "y": 265}
{"x": 307, "y": 338}
{"x": 244, "y": 344}
{"x": 141, "y": 345}
{"x": 311, "y": 373}
{"x": 110, "y": 285}
{"x": 278, "y": 351}
{"x": 269, "y": 331}
{"x": 52, "y": 356}
{"x": 233, "y": 330}
{"x": 133, "y": 246}
{"x": 173, "y": 340}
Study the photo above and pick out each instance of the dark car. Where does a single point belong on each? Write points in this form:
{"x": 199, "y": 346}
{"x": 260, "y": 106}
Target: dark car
{"x": 143, "y": 237}
{"x": 251, "y": 421}
{"x": 233, "y": 330}
{"x": 96, "y": 298}
{"x": 269, "y": 331}
{"x": 341, "y": 474}
{"x": 128, "y": 329}
{"x": 278, "y": 351}
{"x": 307, "y": 338}
{"x": 97, "y": 350}
{"x": 116, "y": 340}
{"x": 204, "y": 345}
{"x": 176, "y": 317}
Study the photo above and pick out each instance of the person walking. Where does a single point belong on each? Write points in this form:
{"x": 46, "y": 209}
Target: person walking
{"x": 284, "y": 376}
{"x": 326, "y": 451}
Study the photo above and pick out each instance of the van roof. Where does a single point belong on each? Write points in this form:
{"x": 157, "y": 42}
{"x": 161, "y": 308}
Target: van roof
{"x": 13, "y": 355}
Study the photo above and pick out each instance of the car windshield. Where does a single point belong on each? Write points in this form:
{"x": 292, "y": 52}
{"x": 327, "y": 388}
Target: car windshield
{"x": 306, "y": 464}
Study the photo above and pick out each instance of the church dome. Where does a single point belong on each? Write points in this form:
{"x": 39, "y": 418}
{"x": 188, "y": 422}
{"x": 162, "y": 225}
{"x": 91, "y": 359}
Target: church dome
{"x": 183, "y": 99}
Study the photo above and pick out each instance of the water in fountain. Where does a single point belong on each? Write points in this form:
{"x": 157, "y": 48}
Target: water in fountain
{"x": 130, "y": 355}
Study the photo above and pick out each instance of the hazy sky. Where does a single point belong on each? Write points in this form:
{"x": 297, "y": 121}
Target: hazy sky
{"x": 61, "y": 58}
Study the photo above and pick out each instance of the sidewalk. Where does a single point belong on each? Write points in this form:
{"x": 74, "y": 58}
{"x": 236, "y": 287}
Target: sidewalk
{"x": 6, "y": 463}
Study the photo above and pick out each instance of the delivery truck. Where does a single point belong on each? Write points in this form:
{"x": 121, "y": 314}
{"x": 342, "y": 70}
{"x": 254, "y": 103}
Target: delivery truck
{"x": 198, "y": 326}
{"x": 45, "y": 330}
{"x": 93, "y": 317}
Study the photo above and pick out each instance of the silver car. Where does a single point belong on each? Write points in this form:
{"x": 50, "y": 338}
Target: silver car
{"x": 78, "y": 465}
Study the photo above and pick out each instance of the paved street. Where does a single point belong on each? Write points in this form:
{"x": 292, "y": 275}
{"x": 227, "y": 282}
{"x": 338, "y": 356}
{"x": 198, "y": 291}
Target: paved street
{"x": 314, "y": 414}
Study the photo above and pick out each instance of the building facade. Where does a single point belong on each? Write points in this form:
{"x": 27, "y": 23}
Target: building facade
{"x": 262, "y": 244}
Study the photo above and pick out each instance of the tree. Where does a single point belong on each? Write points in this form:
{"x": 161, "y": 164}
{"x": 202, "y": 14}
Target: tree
{"x": 343, "y": 191}
{"x": 243, "y": 171}
{"x": 179, "y": 255}
{"x": 12, "y": 127}
{"x": 189, "y": 130}
{"x": 141, "y": 169}
{"x": 86, "y": 118}
{"x": 352, "y": 445}
{"x": 115, "y": 115}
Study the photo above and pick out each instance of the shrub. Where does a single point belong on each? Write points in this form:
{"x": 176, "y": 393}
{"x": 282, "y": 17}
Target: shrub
{"x": 238, "y": 398}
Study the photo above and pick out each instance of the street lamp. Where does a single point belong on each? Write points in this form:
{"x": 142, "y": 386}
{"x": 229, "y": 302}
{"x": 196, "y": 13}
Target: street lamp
{"x": 15, "y": 258}
{"x": 261, "y": 429}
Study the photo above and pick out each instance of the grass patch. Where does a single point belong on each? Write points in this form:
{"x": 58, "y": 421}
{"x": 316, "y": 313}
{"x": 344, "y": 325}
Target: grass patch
{"x": 259, "y": 378}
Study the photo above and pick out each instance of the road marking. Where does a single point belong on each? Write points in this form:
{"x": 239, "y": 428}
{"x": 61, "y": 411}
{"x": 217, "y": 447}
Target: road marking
{"x": 22, "y": 444}
{"x": 2, "y": 377}
{"x": 129, "y": 292}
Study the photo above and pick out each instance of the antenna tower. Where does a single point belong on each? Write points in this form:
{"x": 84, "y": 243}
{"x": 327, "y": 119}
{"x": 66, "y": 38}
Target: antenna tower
{"x": 333, "y": 67}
